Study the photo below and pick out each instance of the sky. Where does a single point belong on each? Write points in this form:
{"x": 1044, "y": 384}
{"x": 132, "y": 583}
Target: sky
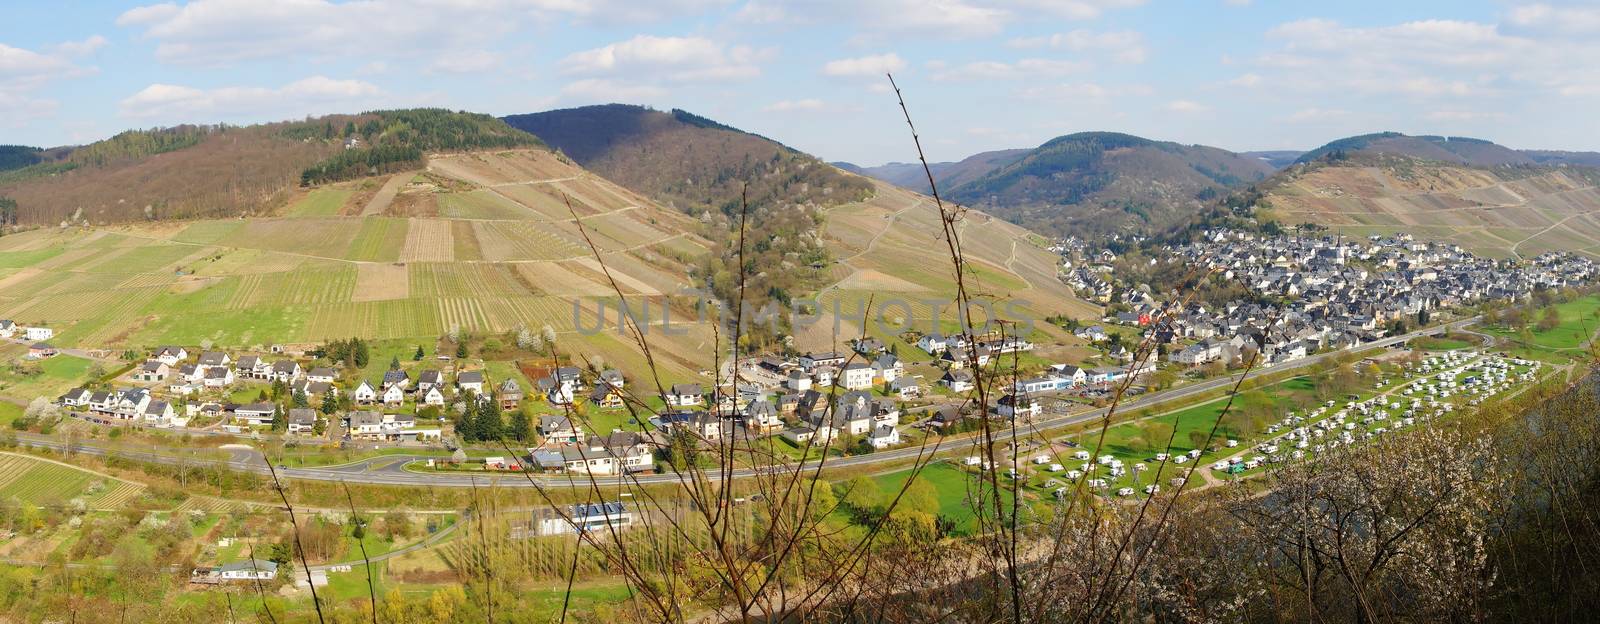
{"x": 977, "y": 74}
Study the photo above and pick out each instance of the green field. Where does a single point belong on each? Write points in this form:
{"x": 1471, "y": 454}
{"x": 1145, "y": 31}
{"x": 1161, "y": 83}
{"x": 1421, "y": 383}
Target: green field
{"x": 1578, "y": 324}
{"x": 48, "y": 378}
{"x": 323, "y": 202}
{"x": 954, "y": 486}
{"x": 380, "y": 240}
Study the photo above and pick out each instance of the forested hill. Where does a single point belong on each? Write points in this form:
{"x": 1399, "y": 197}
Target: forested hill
{"x": 221, "y": 170}
{"x": 688, "y": 161}
{"x": 948, "y": 175}
{"x": 1459, "y": 150}
{"x": 1103, "y": 182}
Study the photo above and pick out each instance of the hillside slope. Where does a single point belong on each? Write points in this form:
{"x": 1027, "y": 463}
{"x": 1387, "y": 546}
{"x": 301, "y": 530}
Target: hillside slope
{"x": 485, "y": 241}
{"x": 687, "y": 161}
{"x": 1102, "y": 182}
{"x": 1501, "y": 211}
{"x": 216, "y": 171}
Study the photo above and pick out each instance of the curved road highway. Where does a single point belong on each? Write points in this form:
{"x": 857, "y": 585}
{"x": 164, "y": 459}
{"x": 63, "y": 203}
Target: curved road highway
{"x": 388, "y": 470}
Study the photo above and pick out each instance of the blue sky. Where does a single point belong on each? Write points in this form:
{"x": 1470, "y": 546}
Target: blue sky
{"x": 979, "y": 74}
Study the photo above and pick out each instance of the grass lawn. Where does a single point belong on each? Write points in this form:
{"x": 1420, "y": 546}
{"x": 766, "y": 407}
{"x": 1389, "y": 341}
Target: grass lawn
{"x": 55, "y": 376}
{"x": 953, "y": 485}
{"x": 583, "y": 598}
{"x": 9, "y": 412}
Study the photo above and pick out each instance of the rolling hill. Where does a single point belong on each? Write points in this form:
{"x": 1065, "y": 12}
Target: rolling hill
{"x": 484, "y": 239}
{"x": 687, "y": 161}
{"x": 1498, "y": 209}
{"x": 219, "y": 171}
{"x": 1103, "y": 182}
{"x": 1458, "y": 150}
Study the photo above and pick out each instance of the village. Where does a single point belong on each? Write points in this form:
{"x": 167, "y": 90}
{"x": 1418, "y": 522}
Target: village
{"x": 1310, "y": 294}
{"x": 1314, "y": 295}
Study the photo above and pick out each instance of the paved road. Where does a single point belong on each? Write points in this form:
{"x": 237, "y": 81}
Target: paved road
{"x": 387, "y": 470}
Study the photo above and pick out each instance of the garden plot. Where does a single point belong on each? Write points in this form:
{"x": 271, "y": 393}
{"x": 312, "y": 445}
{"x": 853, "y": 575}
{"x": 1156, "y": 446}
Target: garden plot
{"x": 146, "y": 259}
{"x": 322, "y": 202}
{"x": 398, "y": 318}
{"x": 483, "y": 204}
{"x": 537, "y": 198}
{"x": 429, "y": 279}
{"x": 428, "y": 240}
{"x": 466, "y": 241}
{"x": 381, "y": 282}
{"x": 502, "y": 241}
{"x": 208, "y": 232}
{"x": 380, "y": 240}
{"x": 320, "y": 285}
{"x": 41, "y": 482}
{"x": 557, "y": 277}
{"x": 324, "y": 237}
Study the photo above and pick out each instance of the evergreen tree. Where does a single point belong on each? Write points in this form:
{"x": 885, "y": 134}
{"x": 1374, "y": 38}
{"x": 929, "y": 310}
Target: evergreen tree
{"x": 466, "y": 425}
{"x": 394, "y": 364}
{"x": 490, "y": 425}
{"x": 299, "y": 399}
{"x": 419, "y": 354}
{"x": 521, "y": 429}
{"x": 280, "y": 421}
{"x": 461, "y": 349}
{"x": 330, "y": 404}
{"x": 362, "y": 356}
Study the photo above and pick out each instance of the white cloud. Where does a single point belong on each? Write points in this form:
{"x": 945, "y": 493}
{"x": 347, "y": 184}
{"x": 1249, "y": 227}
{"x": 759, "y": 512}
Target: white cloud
{"x": 464, "y": 62}
{"x": 82, "y": 48}
{"x": 1437, "y": 59}
{"x": 601, "y": 91}
{"x": 1246, "y": 80}
{"x": 17, "y": 110}
{"x": 1073, "y": 9}
{"x": 26, "y": 69}
{"x": 1186, "y": 106}
{"x": 948, "y": 19}
{"x": 667, "y": 59}
{"x": 872, "y": 66}
{"x": 23, "y": 73}
{"x": 183, "y": 103}
{"x": 996, "y": 70}
{"x": 221, "y": 32}
{"x": 1124, "y": 46}
{"x": 1544, "y": 18}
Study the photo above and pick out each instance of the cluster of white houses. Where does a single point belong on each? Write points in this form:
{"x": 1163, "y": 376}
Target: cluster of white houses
{"x": 1326, "y": 293}
{"x": 180, "y": 374}
{"x": 36, "y": 335}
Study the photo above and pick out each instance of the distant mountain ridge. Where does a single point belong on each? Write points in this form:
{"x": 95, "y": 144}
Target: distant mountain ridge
{"x": 948, "y": 175}
{"x": 1277, "y": 158}
{"x": 1461, "y": 150}
{"x": 1101, "y": 182}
